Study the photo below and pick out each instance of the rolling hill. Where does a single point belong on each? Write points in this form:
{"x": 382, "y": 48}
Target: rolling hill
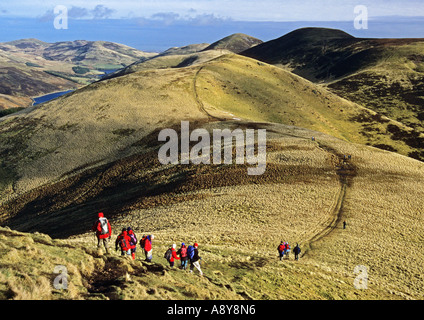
{"x": 236, "y": 43}
{"x": 385, "y": 75}
{"x": 193, "y": 54}
{"x": 30, "y": 67}
{"x": 96, "y": 149}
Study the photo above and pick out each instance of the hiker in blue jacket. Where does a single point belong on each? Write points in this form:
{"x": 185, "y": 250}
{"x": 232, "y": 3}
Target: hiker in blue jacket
{"x": 193, "y": 255}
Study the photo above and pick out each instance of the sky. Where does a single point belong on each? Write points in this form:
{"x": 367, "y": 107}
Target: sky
{"x": 156, "y": 25}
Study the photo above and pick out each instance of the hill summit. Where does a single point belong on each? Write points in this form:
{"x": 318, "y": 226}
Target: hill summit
{"x": 236, "y": 43}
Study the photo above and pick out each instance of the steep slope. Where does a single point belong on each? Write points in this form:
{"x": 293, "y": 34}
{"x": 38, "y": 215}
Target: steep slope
{"x": 309, "y": 52}
{"x": 248, "y": 89}
{"x": 236, "y": 43}
{"x": 384, "y": 75}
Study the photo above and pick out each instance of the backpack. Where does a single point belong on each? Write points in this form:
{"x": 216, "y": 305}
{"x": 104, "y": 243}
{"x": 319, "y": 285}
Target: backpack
{"x": 143, "y": 242}
{"x": 190, "y": 252}
{"x": 103, "y": 226}
{"x": 123, "y": 243}
{"x": 133, "y": 238}
{"x": 168, "y": 254}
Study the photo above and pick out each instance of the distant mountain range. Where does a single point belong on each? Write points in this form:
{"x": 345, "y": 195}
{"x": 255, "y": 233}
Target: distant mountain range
{"x": 30, "y": 67}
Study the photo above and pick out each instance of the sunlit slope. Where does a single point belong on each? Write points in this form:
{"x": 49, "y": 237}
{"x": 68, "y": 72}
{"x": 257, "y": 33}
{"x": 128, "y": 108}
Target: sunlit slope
{"x": 102, "y": 121}
{"x": 249, "y": 89}
{"x": 173, "y": 59}
{"x": 384, "y": 75}
{"x": 94, "y": 125}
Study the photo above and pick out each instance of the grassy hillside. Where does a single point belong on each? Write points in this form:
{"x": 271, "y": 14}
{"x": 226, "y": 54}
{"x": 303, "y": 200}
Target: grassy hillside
{"x": 108, "y": 117}
{"x": 173, "y": 59}
{"x": 248, "y": 89}
{"x": 384, "y": 75}
{"x": 96, "y": 149}
{"x": 393, "y": 86}
{"x": 237, "y": 220}
{"x": 189, "y": 49}
{"x": 236, "y": 43}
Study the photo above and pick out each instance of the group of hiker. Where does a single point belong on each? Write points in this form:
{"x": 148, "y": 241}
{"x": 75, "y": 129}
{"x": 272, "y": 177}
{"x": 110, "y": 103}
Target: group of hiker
{"x": 284, "y": 250}
{"x": 127, "y": 242}
{"x": 184, "y": 254}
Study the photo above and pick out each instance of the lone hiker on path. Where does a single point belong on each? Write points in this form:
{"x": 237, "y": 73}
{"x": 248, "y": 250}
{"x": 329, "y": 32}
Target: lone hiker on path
{"x": 296, "y": 251}
{"x": 344, "y": 224}
{"x": 103, "y": 231}
{"x": 193, "y": 254}
{"x": 182, "y": 252}
{"x": 147, "y": 246}
{"x": 123, "y": 241}
{"x": 133, "y": 241}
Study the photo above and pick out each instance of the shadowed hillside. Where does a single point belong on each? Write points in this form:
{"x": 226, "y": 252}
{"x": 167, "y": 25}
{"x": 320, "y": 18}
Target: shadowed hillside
{"x": 384, "y": 75}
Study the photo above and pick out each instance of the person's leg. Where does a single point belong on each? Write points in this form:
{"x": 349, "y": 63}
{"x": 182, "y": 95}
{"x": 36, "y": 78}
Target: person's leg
{"x": 106, "y": 244}
{"x": 197, "y": 265}
{"x": 149, "y": 256}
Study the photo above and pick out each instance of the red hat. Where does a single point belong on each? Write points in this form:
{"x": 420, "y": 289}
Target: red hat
{"x": 100, "y": 215}
{"x": 195, "y": 245}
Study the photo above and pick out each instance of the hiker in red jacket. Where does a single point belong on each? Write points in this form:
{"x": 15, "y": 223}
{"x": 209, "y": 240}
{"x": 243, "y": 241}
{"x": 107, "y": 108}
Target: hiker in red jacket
{"x": 182, "y": 252}
{"x": 281, "y": 250}
{"x": 103, "y": 231}
{"x": 133, "y": 241}
{"x": 173, "y": 255}
{"x": 123, "y": 242}
{"x": 146, "y": 244}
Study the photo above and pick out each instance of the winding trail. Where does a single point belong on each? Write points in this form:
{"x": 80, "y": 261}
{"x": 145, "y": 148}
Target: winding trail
{"x": 345, "y": 170}
{"x": 199, "y": 102}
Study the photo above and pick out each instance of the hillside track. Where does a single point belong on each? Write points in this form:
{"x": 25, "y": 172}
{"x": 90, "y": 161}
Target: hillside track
{"x": 199, "y": 102}
{"x": 346, "y": 171}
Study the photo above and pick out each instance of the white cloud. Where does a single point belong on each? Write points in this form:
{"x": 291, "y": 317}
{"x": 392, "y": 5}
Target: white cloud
{"x": 241, "y": 10}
